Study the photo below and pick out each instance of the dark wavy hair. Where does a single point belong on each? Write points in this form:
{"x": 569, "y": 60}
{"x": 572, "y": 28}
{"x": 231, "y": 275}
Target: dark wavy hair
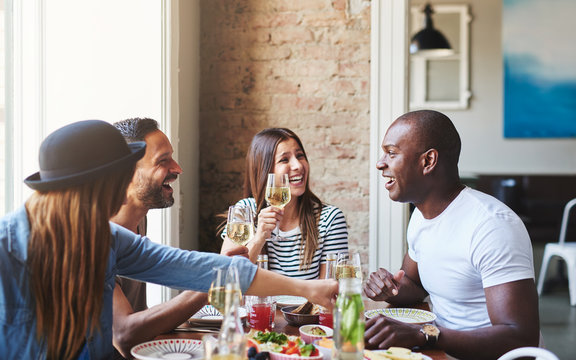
{"x": 260, "y": 162}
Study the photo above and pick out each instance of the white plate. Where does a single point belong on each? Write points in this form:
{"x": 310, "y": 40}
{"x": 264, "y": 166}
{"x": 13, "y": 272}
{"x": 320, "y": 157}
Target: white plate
{"x": 287, "y": 300}
{"x": 209, "y": 315}
{"x": 407, "y": 315}
{"x": 169, "y": 349}
{"x": 424, "y": 357}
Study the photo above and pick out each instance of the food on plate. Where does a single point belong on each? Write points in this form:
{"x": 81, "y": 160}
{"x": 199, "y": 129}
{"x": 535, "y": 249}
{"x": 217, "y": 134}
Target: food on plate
{"x": 270, "y": 341}
{"x": 393, "y": 353}
{"x": 304, "y": 308}
{"x": 307, "y": 309}
{"x": 317, "y": 330}
{"x": 327, "y": 343}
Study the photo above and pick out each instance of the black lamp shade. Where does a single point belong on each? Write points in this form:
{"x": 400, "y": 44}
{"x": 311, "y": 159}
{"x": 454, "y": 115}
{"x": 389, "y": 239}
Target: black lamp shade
{"x": 429, "y": 40}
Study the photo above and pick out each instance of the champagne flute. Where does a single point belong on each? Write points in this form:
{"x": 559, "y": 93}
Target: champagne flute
{"x": 232, "y": 287}
{"x": 348, "y": 266}
{"x": 240, "y": 226}
{"x": 217, "y": 292}
{"x": 278, "y": 195}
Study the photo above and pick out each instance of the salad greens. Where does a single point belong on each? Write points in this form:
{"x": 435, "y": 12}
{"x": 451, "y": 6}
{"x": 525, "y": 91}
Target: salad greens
{"x": 280, "y": 343}
{"x": 271, "y": 337}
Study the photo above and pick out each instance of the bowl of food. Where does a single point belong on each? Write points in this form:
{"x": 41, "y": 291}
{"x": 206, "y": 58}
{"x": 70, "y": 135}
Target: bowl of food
{"x": 309, "y": 333}
{"x": 325, "y": 346}
{"x": 301, "y": 315}
{"x": 280, "y": 346}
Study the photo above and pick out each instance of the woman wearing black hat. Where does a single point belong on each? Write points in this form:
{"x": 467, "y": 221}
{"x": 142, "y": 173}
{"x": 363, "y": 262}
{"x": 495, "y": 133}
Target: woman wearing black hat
{"x": 59, "y": 254}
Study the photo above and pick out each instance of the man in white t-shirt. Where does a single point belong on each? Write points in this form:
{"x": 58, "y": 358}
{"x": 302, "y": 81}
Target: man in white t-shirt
{"x": 468, "y": 251}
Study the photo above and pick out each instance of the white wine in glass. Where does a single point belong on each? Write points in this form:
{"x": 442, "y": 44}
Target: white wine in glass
{"x": 224, "y": 282}
{"x": 348, "y": 266}
{"x": 240, "y": 226}
{"x": 278, "y": 193}
{"x": 217, "y": 292}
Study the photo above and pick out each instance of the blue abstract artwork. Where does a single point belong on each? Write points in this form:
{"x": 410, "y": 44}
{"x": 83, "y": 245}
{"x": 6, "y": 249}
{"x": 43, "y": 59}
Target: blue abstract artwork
{"x": 539, "y": 68}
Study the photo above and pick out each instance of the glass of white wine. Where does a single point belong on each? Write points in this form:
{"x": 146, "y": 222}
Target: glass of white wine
{"x": 217, "y": 292}
{"x": 348, "y": 266}
{"x": 225, "y": 281}
{"x": 278, "y": 194}
{"x": 240, "y": 225}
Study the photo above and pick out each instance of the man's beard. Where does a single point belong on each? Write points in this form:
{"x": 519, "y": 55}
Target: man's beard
{"x": 152, "y": 195}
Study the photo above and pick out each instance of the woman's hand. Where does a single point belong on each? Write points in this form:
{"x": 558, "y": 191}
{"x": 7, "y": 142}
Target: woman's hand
{"x": 267, "y": 220}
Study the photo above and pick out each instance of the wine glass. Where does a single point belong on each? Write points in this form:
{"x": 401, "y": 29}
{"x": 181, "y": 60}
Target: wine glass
{"x": 278, "y": 195}
{"x": 348, "y": 266}
{"x": 225, "y": 282}
{"x": 217, "y": 292}
{"x": 232, "y": 287}
{"x": 240, "y": 226}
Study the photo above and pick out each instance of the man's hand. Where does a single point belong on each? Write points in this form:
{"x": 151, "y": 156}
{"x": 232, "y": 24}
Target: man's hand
{"x": 235, "y": 250}
{"x": 382, "y": 285}
{"x": 383, "y": 332}
{"x": 322, "y": 292}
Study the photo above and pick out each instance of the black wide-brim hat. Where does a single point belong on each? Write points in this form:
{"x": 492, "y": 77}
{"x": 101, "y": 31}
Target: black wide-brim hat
{"x": 81, "y": 152}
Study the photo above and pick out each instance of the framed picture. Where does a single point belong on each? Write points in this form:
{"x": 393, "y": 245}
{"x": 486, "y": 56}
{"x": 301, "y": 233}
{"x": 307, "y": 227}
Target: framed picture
{"x": 539, "y": 68}
{"x": 442, "y": 82}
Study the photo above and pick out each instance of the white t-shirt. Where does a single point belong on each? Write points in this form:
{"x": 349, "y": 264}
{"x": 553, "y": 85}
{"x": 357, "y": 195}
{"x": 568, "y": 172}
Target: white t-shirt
{"x": 475, "y": 243}
{"x": 284, "y": 255}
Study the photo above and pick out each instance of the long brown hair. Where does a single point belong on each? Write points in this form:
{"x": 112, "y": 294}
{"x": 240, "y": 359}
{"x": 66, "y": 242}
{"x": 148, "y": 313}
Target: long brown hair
{"x": 67, "y": 258}
{"x": 260, "y": 162}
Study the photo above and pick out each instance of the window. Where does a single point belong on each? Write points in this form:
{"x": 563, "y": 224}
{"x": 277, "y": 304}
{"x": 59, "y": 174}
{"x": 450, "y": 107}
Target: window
{"x": 442, "y": 82}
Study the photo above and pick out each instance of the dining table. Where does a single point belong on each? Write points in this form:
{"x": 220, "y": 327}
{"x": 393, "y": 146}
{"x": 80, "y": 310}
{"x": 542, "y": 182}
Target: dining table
{"x": 282, "y": 326}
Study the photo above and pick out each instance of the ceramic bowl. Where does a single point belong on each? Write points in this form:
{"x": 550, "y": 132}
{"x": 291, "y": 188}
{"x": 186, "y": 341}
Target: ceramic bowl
{"x": 308, "y": 337}
{"x": 280, "y": 356}
{"x": 299, "y": 319}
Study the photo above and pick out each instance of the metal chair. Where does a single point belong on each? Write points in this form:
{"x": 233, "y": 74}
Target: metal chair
{"x": 564, "y": 250}
{"x": 535, "y": 352}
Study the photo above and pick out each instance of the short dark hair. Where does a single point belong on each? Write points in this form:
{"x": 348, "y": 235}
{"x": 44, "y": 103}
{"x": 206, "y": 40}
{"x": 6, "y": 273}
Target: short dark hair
{"x": 436, "y": 130}
{"x": 136, "y": 129}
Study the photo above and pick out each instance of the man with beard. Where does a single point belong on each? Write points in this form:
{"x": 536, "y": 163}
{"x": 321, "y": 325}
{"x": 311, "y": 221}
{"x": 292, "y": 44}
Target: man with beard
{"x": 150, "y": 188}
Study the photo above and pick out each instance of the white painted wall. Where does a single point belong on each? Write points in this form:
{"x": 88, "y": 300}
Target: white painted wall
{"x": 484, "y": 149}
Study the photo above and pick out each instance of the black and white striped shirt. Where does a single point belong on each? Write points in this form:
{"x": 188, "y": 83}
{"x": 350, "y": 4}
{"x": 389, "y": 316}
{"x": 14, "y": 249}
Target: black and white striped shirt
{"x": 284, "y": 255}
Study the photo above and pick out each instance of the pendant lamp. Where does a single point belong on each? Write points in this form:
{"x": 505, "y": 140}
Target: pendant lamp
{"x": 430, "y": 41}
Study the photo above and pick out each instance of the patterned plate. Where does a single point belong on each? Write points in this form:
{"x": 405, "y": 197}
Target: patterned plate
{"x": 414, "y": 316}
{"x": 209, "y": 315}
{"x": 287, "y": 300}
{"x": 169, "y": 349}
{"x": 424, "y": 357}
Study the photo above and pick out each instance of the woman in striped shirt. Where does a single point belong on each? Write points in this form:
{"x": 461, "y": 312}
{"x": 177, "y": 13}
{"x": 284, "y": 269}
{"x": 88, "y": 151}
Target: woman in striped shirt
{"x": 309, "y": 229}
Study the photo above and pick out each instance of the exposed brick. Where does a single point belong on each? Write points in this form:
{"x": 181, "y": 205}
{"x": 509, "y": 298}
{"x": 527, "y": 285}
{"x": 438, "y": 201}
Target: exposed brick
{"x": 339, "y": 4}
{"x": 267, "y": 20}
{"x": 301, "y": 64}
{"x": 262, "y": 53}
{"x": 291, "y": 35}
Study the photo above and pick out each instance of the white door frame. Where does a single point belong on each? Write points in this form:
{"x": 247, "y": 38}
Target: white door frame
{"x": 388, "y": 100}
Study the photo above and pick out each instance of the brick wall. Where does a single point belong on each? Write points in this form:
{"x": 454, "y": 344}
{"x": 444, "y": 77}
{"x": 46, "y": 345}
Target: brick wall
{"x": 300, "y": 64}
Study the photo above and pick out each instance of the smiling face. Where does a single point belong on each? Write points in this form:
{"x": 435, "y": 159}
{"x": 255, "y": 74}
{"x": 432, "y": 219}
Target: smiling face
{"x": 290, "y": 159}
{"x": 155, "y": 172}
{"x": 402, "y": 163}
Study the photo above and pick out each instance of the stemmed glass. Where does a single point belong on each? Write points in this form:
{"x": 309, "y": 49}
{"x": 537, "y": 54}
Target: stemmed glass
{"x": 225, "y": 281}
{"x": 348, "y": 266}
{"x": 240, "y": 226}
{"x": 217, "y": 292}
{"x": 230, "y": 343}
{"x": 278, "y": 195}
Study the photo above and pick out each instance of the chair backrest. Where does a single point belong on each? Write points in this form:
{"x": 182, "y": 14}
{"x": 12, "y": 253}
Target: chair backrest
{"x": 565, "y": 219}
{"x": 538, "y": 353}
